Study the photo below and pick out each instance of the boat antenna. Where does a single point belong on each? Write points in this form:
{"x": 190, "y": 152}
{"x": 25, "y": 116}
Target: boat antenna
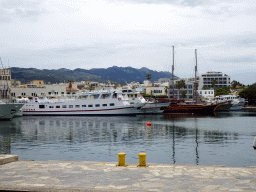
{"x": 195, "y": 76}
{"x": 172, "y": 73}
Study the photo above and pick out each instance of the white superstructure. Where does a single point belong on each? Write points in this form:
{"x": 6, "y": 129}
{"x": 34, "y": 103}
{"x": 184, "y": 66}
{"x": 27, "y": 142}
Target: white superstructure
{"x": 109, "y": 102}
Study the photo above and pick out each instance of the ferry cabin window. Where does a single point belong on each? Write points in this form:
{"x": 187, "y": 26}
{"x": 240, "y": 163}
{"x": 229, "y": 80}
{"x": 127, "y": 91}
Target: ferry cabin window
{"x": 51, "y": 106}
{"x": 90, "y": 106}
{"x": 83, "y": 105}
{"x": 114, "y": 95}
{"x": 41, "y": 106}
{"x": 94, "y": 96}
{"x": 64, "y": 106}
{"x": 104, "y": 105}
{"x": 77, "y": 106}
{"x": 70, "y": 106}
{"x": 97, "y": 105}
{"x": 105, "y": 96}
{"x": 57, "y": 106}
{"x": 112, "y": 104}
{"x": 84, "y": 96}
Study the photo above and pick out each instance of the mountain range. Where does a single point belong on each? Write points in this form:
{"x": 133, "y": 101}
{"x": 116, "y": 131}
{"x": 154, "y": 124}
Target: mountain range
{"x": 120, "y": 75}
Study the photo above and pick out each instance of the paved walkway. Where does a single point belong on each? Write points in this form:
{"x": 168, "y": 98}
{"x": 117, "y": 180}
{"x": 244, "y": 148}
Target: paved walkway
{"x": 95, "y": 176}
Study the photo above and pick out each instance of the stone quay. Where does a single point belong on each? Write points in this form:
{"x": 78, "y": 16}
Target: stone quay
{"x": 16, "y": 175}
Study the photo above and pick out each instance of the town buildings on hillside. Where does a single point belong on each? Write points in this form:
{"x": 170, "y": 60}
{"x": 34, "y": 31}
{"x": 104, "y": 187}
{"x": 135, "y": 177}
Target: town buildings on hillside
{"x": 164, "y": 86}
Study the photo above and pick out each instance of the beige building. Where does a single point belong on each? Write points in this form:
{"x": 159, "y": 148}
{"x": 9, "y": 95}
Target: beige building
{"x": 45, "y": 90}
{"x": 5, "y": 82}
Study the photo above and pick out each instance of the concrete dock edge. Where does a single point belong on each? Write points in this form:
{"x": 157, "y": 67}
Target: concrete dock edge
{"x": 8, "y": 159}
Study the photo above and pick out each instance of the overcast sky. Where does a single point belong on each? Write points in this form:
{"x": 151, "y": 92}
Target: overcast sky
{"x": 53, "y": 34}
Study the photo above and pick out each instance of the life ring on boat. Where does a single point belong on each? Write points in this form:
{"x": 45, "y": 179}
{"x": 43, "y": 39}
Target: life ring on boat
{"x": 119, "y": 99}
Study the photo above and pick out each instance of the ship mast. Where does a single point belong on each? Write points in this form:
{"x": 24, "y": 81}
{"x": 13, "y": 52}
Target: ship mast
{"x": 195, "y": 76}
{"x": 172, "y": 73}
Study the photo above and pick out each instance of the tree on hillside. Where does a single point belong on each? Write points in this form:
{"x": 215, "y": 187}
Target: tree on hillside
{"x": 180, "y": 84}
{"x": 234, "y": 84}
{"x": 222, "y": 91}
{"x": 91, "y": 88}
{"x": 249, "y": 93}
{"x": 148, "y": 76}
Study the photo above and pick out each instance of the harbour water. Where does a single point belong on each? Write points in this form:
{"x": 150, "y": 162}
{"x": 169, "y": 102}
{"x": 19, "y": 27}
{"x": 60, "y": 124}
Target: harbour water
{"x": 216, "y": 139}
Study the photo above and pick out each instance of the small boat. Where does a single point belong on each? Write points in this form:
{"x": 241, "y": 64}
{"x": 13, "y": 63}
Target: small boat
{"x": 8, "y": 110}
{"x": 249, "y": 109}
{"x": 109, "y": 102}
{"x": 155, "y": 106}
{"x": 224, "y": 105}
{"x": 237, "y": 102}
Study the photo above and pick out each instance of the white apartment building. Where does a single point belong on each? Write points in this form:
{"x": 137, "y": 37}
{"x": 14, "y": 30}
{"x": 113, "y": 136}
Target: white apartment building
{"x": 206, "y": 79}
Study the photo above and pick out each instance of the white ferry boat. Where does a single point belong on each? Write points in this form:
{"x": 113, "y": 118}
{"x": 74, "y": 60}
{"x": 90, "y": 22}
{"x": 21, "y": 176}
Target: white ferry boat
{"x": 109, "y": 102}
{"x": 237, "y": 102}
{"x": 151, "y": 107}
{"x": 8, "y": 110}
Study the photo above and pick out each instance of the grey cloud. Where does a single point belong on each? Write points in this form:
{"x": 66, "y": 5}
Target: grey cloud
{"x": 90, "y": 50}
{"x": 13, "y": 4}
{"x": 11, "y": 9}
{"x": 236, "y": 59}
{"x": 190, "y": 3}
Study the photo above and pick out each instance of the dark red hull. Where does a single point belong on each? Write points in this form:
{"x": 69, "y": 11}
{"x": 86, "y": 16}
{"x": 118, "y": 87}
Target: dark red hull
{"x": 190, "y": 108}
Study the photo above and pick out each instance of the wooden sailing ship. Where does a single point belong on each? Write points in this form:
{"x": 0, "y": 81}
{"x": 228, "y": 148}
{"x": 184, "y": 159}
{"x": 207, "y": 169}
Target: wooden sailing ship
{"x": 176, "y": 107}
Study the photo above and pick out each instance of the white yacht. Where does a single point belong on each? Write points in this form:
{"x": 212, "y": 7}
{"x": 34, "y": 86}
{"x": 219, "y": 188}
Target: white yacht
{"x": 237, "y": 102}
{"x": 151, "y": 107}
{"x": 109, "y": 102}
{"x": 8, "y": 110}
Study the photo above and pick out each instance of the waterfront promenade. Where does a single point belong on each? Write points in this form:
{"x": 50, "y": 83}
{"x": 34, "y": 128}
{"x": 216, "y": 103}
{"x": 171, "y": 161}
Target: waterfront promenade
{"x": 103, "y": 176}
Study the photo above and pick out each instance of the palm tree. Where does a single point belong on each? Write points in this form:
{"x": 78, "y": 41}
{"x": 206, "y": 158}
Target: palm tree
{"x": 180, "y": 84}
{"x": 148, "y": 76}
{"x": 70, "y": 84}
{"x": 183, "y": 94}
{"x": 214, "y": 82}
{"x": 166, "y": 90}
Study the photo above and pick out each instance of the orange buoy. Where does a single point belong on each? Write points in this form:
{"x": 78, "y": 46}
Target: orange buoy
{"x": 148, "y": 124}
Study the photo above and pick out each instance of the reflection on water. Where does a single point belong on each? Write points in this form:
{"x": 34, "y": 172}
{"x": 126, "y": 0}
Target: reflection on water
{"x": 219, "y": 139}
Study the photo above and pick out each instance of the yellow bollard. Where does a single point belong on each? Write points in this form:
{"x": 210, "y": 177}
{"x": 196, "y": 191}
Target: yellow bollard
{"x": 142, "y": 159}
{"x": 121, "y": 159}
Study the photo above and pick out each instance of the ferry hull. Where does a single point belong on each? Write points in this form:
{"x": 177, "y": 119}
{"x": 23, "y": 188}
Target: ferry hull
{"x": 116, "y": 111}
